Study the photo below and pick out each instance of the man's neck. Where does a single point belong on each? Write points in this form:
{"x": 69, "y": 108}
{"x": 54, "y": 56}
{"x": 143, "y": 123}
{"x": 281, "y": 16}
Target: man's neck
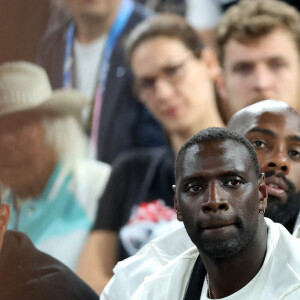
{"x": 90, "y": 29}
{"x": 228, "y": 276}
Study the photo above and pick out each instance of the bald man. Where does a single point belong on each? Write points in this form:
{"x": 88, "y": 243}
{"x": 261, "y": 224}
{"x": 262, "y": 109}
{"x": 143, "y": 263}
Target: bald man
{"x": 273, "y": 128}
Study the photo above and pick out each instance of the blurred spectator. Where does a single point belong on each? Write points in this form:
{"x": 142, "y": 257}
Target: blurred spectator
{"x": 87, "y": 53}
{"x": 204, "y": 15}
{"x": 259, "y": 43}
{"x": 29, "y": 274}
{"x": 174, "y": 78}
{"x": 52, "y": 189}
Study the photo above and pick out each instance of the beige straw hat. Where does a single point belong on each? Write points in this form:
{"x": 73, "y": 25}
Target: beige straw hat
{"x": 25, "y": 86}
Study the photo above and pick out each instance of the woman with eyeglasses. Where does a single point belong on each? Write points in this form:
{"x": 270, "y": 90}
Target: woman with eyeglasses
{"x": 174, "y": 78}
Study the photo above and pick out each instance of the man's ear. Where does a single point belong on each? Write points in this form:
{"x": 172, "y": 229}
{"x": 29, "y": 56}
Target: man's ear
{"x": 176, "y": 207}
{"x": 262, "y": 192}
{"x": 221, "y": 86}
{"x": 209, "y": 57}
{"x": 4, "y": 218}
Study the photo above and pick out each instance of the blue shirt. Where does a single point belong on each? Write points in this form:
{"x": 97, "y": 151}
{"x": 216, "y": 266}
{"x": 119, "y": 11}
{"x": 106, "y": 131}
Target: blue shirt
{"x": 59, "y": 220}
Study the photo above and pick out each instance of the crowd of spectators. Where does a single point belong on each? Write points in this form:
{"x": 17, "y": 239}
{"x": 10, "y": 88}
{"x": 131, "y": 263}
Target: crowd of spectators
{"x": 98, "y": 98}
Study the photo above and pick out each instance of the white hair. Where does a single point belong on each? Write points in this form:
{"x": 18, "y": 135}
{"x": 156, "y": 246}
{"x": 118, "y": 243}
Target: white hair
{"x": 66, "y": 137}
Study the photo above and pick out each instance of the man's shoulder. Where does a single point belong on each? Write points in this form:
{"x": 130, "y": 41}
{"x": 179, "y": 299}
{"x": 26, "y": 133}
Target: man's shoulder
{"x": 139, "y": 13}
{"x": 32, "y": 274}
{"x": 160, "y": 285}
{"x": 284, "y": 269}
{"x": 56, "y": 32}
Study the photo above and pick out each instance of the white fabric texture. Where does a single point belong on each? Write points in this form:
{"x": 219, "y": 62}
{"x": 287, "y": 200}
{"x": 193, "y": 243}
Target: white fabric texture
{"x": 130, "y": 273}
{"x": 279, "y": 277}
{"x": 87, "y": 66}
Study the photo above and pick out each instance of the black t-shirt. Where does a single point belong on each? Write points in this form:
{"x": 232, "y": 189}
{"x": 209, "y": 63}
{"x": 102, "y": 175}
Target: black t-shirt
{"x": 29, "y": 274}
{"x": 138, "y": 199}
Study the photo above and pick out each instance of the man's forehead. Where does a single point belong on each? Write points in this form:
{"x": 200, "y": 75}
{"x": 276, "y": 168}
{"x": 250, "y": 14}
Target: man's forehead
{"x": 214, "y": 158}
{"x": 274, "y": 119}
{"x": 268, "y": 46}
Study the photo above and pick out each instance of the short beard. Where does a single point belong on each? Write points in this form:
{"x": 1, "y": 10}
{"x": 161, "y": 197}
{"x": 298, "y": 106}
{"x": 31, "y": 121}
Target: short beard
{"x": 228, "y": 248}
{"x": 286, "y": 212}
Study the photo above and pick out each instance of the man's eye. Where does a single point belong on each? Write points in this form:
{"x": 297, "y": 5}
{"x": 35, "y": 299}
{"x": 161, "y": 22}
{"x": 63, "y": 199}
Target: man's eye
{"x": 243, "y": 69}
{"x": 294, "y": 153}
{"x": 194, "y": 188}
{"x": 258, "y": 144}
{"x": 234, "y": 183}
{"x": 172, "y": 71}
{"x": 277, "y": 65}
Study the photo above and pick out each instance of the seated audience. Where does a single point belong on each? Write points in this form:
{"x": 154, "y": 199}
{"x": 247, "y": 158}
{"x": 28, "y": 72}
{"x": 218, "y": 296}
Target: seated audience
{"x": 52, "y": 189}
{"x": 27, "y": 273}
{"x": 221, "y": 197}
{"x": 174, "y": 78}
{"x": 269, "y": 126}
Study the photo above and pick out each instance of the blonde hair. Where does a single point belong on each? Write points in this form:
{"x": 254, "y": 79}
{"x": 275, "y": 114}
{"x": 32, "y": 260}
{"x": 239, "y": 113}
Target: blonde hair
{"x": 250, "y": 19}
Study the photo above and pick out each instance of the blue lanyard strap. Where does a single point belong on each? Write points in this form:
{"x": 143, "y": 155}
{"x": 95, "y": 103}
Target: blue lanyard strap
{"x": 118, "y": 26}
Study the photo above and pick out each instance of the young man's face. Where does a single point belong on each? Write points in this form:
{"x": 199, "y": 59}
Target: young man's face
{"x": 259, "y": 69}
{"x": 218, "y": 197}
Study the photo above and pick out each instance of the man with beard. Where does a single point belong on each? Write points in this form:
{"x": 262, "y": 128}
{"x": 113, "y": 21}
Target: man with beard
{"x": 273, "y": 128}
{"x": 221, "y": 197}
{"x": 277, "y": 150}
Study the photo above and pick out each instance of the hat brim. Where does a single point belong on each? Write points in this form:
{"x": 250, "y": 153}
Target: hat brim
{"x": 62, "y": 102}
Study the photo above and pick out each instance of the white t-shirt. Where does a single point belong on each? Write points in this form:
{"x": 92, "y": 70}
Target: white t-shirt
{"x": 87, "y": 66}
{"x": 243, "y": 293}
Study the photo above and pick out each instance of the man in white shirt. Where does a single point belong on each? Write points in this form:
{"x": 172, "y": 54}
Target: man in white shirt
{"x": 221, "y": 197}
{"x": 274, "y": 117}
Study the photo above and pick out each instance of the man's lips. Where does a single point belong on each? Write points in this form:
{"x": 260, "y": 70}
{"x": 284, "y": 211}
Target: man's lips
{"x": 217, "y": 224}
{"x": 276, "y": 186}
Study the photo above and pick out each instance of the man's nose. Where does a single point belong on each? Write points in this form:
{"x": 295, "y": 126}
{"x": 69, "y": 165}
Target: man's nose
{"x": 279, "y": 162}
{"x": 215, "y": 200}
{"x": 262, "y": 77}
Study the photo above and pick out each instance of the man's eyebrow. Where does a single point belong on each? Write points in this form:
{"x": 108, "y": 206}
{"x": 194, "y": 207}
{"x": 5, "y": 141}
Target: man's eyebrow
{"x": 263, "y": 130}
{"x": 295, "y": 138}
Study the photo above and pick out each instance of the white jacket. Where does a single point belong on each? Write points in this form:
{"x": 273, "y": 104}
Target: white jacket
{"x": 279, "y": 277}
{"x": 130, "y": 273}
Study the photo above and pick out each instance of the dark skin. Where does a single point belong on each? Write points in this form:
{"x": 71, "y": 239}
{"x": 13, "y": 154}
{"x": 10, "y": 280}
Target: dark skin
{"x": 218, "y": 197}
{"x": 273, "y": 128}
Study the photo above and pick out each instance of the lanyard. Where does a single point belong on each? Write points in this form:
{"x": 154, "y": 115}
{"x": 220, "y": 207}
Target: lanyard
{"x": 123, "y": 15}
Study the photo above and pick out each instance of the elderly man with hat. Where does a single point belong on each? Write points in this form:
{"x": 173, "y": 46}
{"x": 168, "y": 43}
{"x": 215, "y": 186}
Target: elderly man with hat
{"x": 50, "y": 186}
